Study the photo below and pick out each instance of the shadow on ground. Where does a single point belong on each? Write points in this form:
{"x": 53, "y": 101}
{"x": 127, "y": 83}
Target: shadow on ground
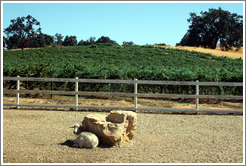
{"x": 69, "y": 143}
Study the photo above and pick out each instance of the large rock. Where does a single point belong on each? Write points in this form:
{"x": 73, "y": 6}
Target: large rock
{"x": 115, "y": 129}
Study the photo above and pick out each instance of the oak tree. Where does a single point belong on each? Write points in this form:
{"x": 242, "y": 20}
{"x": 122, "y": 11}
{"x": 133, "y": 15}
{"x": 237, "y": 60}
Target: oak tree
{"x": 212, "y": 27}
{"x": 22, "y": 31}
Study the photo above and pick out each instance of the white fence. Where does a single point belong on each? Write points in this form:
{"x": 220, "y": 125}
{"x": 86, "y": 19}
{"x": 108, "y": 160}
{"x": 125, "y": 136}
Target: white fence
{"x": 135, "y": 94}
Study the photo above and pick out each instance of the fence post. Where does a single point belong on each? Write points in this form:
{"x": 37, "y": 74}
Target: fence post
{"x": 135, "y": 97}
{"x": 76, "y": 90}
{"x": 197, "y": 99}
{"x": 51, "y": 88}
{"x": 18, "y": 94}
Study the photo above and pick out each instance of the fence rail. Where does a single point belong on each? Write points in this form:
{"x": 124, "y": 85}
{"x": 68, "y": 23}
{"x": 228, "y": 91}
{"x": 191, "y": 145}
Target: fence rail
{"x": 135, "y": 94}
{"x": 123, "y": 81}
{"x": 123, "y": 94}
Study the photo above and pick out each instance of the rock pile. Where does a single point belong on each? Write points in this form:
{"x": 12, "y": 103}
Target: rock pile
{"x": 113, "y": 130}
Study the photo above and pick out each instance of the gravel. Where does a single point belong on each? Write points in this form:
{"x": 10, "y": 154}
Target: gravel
{"x": 38, "y": 136}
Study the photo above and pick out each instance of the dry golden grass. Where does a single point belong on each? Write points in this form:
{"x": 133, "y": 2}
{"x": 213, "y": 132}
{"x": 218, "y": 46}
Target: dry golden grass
{"x": 217, "y": 51}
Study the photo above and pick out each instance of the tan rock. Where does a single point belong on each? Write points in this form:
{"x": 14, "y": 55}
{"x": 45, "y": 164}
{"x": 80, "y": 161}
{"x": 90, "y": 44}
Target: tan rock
{"x": 115, "y": 129}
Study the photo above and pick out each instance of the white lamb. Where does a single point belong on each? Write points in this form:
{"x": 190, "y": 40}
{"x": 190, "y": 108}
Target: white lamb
{"x": 77, "y": 129}
{"x": 84, "y": 139}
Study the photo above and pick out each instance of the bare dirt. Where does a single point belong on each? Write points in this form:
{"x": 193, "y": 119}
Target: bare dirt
{"x": 38, "y": 136}
{"x": 129, "y": 102}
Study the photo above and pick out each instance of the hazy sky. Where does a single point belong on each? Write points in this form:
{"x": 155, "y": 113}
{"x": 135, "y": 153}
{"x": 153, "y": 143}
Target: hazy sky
{"x": 142, "y": 23}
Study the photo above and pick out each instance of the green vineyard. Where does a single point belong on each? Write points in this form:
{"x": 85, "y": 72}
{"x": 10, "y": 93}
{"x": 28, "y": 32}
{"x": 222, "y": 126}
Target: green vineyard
{"x": 103, "y": 61}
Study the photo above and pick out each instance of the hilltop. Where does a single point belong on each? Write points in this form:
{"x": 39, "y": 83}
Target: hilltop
{"x": 217, "y": 52}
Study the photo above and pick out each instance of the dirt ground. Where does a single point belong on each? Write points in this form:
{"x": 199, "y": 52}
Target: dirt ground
{"x": 35, "y": 136}
{"x": 38, "y": 136}
{"x": 129, "y": 102}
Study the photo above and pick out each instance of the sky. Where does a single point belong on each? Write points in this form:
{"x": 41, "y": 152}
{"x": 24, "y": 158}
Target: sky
{"x": 141, "y": 23}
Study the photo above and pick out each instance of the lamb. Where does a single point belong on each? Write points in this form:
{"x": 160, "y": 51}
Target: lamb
{"x": 84, "y": 139}
{"x": 77, "y": 129}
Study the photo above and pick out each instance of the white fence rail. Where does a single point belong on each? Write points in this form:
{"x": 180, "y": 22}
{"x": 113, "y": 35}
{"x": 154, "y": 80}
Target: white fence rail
{"x": 135, "y": 82}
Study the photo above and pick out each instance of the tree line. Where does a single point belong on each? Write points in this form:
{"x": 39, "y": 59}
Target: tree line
{"x": 212, "y": 27}
{"x": 25, "y": 32}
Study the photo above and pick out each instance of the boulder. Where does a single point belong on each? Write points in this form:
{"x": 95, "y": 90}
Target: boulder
{"x": 113, "y": 130}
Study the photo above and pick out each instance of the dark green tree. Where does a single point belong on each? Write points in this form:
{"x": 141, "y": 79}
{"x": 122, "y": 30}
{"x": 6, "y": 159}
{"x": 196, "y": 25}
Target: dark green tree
{"x": 70, "y": 41}
{"x": 41, "y": 40}
{"x": 104, "y": 39}
{"x": 58, "y": 39}
{"x": 212, "y": 27}
{"x": 90, "y": 41}
{"x": 234, "y": 37}
{"x": 83, "y": 43}
{"x": 4, "y": 42}
{"x": 125, "y": 43}
{"x": 21, "y": 31}
{"x": 48, "y": 40}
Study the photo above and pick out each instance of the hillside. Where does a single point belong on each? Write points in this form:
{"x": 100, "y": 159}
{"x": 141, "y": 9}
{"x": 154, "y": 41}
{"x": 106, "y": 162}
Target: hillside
{"x": 217, "y": 52}
{"x": 117, "y": 62}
